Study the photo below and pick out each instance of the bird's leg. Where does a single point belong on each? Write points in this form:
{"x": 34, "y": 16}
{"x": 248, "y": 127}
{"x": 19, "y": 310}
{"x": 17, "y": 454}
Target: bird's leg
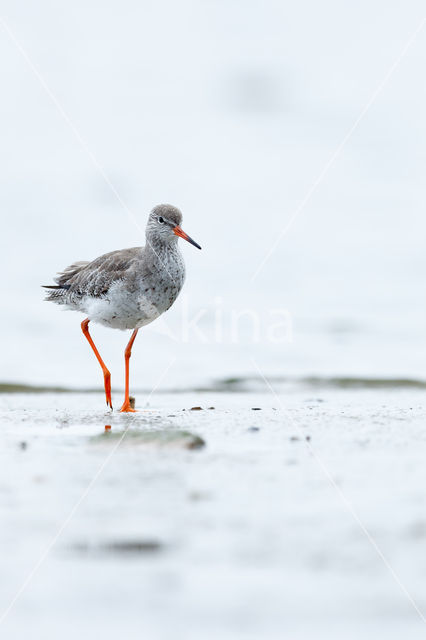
{"x": 128, "y": 352}
{"x": 107, "y": 375}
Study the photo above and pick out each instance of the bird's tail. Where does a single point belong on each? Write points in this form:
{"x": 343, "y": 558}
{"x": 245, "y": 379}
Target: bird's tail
{"x": 56, "y": 292}
{"x": 55, "y": 286}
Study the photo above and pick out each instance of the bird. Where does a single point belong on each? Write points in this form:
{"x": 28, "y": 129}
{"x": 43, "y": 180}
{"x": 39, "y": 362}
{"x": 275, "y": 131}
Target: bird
{"x": 128, "y": 288}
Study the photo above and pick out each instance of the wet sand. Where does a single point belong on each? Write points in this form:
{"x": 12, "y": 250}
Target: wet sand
{"x": 216, "y": 522}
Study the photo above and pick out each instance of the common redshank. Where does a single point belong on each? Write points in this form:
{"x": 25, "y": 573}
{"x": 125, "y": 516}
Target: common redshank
{"x": 128, "y": 288}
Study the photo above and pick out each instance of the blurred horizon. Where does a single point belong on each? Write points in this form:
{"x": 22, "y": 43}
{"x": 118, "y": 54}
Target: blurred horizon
{"x": 229, "y": 111}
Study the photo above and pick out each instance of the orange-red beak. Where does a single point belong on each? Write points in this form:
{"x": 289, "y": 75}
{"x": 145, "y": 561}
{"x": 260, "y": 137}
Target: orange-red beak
{"x": 179, "y": 232}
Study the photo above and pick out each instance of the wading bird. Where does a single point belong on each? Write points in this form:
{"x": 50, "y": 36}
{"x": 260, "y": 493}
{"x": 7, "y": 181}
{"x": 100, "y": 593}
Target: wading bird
{"x": 128, "y": 288}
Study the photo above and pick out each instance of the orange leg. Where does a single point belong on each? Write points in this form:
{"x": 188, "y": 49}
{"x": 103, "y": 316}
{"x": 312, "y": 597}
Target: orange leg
{"x": 128, "y": 352}
{"x": 107, "y": 375}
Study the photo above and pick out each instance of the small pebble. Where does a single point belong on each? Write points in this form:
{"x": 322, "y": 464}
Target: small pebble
{"x": 253, "y": 429}
{"x": 23, "y": 445}
{"x": 256, "y": 409}
{"x": 196, "y": 409}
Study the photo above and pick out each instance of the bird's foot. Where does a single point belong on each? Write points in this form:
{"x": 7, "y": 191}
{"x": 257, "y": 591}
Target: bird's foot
{"x": 127, "y": 407}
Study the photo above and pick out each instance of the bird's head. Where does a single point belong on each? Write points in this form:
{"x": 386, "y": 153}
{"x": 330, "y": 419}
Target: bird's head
{"x": 164, "y": 226}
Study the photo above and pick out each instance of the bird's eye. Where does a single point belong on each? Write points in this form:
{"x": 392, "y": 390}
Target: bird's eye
{"x": 161, "y": 220}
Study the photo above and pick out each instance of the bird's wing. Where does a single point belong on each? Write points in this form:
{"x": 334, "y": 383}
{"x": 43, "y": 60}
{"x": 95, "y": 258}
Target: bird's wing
{"x": 68, "y": 273}
{"x": 95, "y": 278}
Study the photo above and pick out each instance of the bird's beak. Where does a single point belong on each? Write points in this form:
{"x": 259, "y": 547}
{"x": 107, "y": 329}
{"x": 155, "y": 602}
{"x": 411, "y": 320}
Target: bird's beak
{"x": 179, "y": 232}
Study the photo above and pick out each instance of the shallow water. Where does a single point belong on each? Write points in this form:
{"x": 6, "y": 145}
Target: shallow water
{"x": 230, "y": 111}
{"x": 242, "y": 537}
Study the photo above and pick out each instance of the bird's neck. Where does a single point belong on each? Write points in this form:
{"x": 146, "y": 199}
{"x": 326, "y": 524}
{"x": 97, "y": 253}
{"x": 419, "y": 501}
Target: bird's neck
{"x": 163, "y": 251}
